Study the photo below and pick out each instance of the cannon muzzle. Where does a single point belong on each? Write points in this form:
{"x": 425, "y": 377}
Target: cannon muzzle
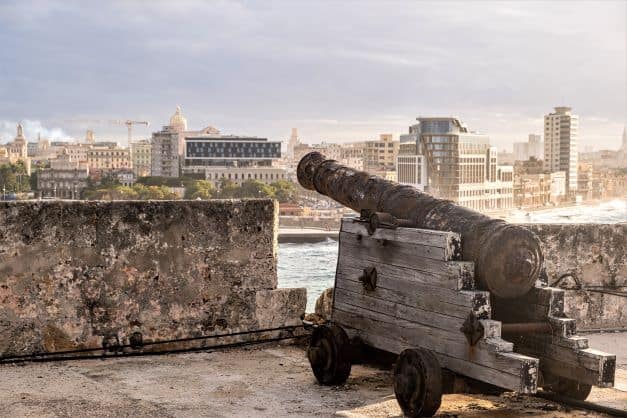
{"x": 507, "y": 257}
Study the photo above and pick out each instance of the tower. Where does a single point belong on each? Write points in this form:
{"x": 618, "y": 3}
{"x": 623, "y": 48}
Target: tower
{"x": 561, "y": 132}
{"x": 292, "y": 143}
{"x": 89, "y": 137}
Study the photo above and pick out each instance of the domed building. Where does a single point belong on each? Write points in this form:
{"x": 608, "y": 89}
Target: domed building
{"x": 178, "y": 121}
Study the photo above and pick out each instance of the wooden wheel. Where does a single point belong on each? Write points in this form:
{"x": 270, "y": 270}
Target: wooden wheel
{"x": 418, "y": 383}
{"x": 329, "y": 355}
{"x": 568, "y": 387}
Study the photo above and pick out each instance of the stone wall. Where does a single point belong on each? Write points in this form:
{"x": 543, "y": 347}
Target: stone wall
{"x": 77, "y": 275}
{"x": 590, "y": 261}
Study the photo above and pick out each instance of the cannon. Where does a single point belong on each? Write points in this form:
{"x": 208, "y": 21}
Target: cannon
{"x": 507, "y": 257}
{"x": 452, "y": 292}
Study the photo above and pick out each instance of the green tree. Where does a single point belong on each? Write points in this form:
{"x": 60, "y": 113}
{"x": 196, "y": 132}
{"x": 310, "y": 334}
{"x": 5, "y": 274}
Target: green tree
{"x": 254, "y": 189}
{"x": 154, "y": 192}
{"x": 14, "y": 178}
{"x": 109, "y": 181}
{"x": 202, "y": 189}
{"x": 284, "y": 191}
{"x": 228, "y": 189}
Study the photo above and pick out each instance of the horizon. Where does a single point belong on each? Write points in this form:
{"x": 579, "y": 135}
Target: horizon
{"x": 337, "y": 72}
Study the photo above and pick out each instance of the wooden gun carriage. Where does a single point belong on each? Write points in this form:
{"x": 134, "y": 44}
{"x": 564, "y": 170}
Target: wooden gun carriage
{"x": 416, "y": 292}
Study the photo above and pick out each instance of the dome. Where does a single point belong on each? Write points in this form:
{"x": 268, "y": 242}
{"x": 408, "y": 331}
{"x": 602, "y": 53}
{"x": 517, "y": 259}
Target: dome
{"x": 178, "y": 120}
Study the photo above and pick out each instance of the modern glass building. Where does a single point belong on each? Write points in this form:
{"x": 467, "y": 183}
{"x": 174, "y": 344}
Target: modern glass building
{"x": 230, "y": 150}
{"x": 462, "y": 166}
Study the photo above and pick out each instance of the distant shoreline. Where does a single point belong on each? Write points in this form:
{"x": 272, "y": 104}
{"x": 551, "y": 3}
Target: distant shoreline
{"x": 306, "y": 235}
{"x": 312, "y": 234}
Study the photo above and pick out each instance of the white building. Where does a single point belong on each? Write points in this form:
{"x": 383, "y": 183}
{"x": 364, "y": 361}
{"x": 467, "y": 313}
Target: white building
{"x": 238, "y": 175}
{"x": 561, "y": 133}
{"x": 412, "y": 170}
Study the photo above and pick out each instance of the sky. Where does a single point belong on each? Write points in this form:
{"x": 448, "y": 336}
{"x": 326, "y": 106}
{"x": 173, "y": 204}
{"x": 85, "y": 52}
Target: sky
{"x": 338, "y": 71}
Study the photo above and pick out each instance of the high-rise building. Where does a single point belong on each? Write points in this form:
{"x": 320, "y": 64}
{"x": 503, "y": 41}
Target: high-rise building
{"x": 561, "y": 132}
{"x": 462, "y": 166}
{"x": 166, "y": 147}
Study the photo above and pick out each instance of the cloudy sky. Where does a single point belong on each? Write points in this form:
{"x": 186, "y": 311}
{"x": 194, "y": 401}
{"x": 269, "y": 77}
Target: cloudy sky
{"x": 337, "y": 70}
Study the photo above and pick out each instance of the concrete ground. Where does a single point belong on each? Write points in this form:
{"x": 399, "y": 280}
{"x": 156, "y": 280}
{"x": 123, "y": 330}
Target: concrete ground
{"x": 266, "y": 380}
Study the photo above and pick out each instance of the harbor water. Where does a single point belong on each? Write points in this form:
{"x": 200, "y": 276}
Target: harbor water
{"x": 312, "y": 265}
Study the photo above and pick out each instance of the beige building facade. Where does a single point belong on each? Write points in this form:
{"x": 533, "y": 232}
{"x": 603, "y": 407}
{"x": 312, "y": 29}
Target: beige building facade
{"x": 108, "y": 158}
{"x": 381, "y": 154}
{"x": 238, "y": 175}
{"x": 141, "y": 156}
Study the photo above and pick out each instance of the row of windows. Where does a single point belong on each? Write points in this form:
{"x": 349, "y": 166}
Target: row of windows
{"x": 246, "y": 176}
{"x": 233, "y": 150}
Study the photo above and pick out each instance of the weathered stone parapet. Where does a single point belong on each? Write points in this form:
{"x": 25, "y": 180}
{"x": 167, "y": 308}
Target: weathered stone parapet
{"x": 590, "y": 262}
{"x": 77, "y": 275}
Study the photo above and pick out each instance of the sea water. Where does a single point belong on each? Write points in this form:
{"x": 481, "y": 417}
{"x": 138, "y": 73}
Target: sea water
{"x": 313, "y": 265}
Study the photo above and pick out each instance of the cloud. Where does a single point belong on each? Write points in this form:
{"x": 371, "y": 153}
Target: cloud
{"x": 257, "y": 67}
{"x": 32, "y": 128}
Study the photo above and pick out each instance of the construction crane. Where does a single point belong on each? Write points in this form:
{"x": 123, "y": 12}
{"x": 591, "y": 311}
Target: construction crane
{"x": 129, "y": 124}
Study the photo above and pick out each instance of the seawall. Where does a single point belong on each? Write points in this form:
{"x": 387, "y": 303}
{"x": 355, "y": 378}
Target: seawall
{"x": 110, "y": 275}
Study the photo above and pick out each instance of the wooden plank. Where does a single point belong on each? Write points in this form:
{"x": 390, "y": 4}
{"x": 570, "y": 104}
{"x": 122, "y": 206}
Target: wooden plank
{"x": 594, "y": 366}
{"x": 498, "y": 378}
{"x": 452, "y": 342}
{"x": 437, "y": 299}
{"x": 396, "y": 253}
{"x": 580, "y": 374}
{"x": 450, "y": 242}
{"x": 347, "y": 300}
{"x": 504, "y": 369}
{"x": 461, "y": 279}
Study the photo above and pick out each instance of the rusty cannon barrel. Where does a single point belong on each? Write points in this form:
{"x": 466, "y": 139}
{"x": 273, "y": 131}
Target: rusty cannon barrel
{"x": 507, "y": 257}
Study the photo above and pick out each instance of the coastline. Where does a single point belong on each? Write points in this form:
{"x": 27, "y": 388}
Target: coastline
{"x": 306, "y": 235}
{"x": 312, "y": 234}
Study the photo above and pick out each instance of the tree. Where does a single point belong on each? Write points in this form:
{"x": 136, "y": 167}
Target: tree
{"x": 284, "y": 191}
{"x": 202, "y": 189}
{"x": 253, "y": 189}
{"x": 228, "y": 189}
{"x": 109, "y": 181}
{"x": 154, "y": 192}
{"x": 14, "y": 178}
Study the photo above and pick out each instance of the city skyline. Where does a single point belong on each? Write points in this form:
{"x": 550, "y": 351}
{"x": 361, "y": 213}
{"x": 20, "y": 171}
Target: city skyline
{"x": 260, "y": 69}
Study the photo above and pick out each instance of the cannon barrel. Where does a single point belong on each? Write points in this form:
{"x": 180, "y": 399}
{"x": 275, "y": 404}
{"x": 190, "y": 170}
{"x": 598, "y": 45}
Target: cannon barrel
{"x": 507, "y": 257}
